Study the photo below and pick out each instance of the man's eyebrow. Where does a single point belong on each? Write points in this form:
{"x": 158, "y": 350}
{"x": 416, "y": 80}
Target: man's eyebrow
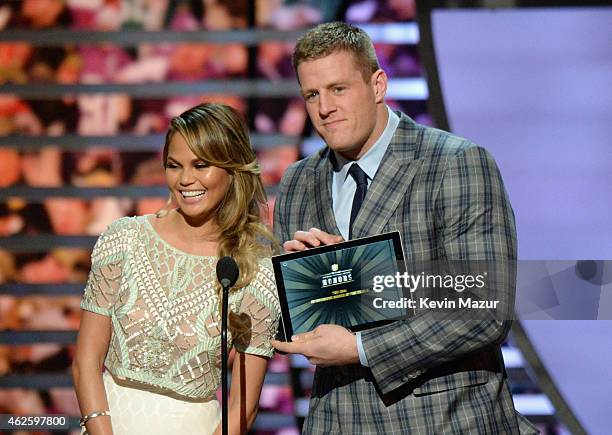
{"x": 307, "y": 91}
{"x": 327, "y": 86}
{"x": 338, "y": 83}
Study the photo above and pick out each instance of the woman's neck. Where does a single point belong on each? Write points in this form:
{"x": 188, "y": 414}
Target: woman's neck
{"x": 198, "y": 230}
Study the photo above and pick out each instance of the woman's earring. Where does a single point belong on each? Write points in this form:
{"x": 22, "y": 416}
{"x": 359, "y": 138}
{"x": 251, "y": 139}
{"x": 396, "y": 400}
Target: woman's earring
{"x": 166, "y": 208}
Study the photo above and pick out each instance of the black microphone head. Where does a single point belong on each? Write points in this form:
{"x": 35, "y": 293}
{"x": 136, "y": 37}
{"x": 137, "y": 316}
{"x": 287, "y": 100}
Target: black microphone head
{"x": 227, "y": 271}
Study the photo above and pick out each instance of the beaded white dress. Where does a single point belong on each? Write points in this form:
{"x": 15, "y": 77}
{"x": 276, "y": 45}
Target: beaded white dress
{"x": 163, "y": 362}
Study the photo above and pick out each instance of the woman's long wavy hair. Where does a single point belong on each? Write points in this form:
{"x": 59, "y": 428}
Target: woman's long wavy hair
{"x": 217, "y": 135}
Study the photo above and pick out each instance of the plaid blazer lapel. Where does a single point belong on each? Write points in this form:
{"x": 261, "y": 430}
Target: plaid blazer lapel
{"x": 394, "y": 175}
{"x": 319, "y": 193}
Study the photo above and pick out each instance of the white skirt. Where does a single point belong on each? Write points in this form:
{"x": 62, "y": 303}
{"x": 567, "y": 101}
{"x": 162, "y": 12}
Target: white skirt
{"x": 135, "y": 411}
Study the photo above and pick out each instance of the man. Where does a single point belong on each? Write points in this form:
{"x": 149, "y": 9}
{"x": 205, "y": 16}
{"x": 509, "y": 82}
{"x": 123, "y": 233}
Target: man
{"x": 446, "y": 197}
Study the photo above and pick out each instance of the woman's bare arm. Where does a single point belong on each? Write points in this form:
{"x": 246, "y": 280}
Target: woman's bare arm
{"x": 92, "y": 346}
{"x": 248, "y": 374}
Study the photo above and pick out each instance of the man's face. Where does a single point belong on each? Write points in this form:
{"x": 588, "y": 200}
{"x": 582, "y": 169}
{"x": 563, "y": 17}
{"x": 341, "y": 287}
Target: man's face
{"x": 341, "y": 104}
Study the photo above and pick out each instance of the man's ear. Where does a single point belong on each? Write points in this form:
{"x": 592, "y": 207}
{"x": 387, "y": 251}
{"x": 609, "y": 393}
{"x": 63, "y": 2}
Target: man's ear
{"x": 379, "y": 84}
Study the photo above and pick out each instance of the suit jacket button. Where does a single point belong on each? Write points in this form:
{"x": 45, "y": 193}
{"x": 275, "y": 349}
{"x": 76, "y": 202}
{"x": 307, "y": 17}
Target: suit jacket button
{"x": 414, "y": 374}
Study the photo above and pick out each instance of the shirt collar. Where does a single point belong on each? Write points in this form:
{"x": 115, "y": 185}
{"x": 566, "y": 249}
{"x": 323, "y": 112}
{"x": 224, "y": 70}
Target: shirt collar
{"x": 370, "y": 161}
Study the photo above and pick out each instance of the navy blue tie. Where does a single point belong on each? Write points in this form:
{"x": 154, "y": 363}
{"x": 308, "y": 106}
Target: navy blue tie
{"x": 361, "y": 179}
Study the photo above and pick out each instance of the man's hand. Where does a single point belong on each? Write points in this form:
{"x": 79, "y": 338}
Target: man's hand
{"x": 310, "y": 239}
{"x": 326, "y": 345}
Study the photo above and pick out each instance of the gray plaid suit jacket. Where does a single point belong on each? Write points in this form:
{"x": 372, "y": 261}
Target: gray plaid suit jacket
{"x": 426, "y": 376}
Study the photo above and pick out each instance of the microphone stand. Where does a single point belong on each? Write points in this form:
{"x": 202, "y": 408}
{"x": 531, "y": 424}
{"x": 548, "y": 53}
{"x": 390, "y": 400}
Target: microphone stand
{"x": 227, "y": 274}
{"x": 224, "y": 312}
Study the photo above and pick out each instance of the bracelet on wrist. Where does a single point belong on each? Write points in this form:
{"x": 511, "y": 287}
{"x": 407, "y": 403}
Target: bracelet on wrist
{"x": 88, "y": 417}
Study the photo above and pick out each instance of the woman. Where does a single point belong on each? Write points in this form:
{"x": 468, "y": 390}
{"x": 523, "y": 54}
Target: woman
{"x": 151, "y": 305}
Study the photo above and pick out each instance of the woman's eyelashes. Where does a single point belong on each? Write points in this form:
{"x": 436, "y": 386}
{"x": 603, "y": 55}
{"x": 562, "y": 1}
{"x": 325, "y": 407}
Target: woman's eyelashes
{"x": 197, "y": 165}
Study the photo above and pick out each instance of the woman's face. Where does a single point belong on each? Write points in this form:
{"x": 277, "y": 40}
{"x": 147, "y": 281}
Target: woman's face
{"x": 197, "y": 187}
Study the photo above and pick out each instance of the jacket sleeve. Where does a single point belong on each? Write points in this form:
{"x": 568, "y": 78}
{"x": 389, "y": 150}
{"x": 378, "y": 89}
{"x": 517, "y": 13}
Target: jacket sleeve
{"x": 474, "y": 221}
{"x": 286, "y": 208}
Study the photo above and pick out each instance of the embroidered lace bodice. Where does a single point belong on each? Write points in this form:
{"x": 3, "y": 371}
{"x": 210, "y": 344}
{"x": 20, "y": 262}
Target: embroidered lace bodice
{"x": 163, "y": 305}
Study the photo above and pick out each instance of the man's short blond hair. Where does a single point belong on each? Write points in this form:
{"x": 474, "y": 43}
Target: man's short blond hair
{"x": 329, "y": 38}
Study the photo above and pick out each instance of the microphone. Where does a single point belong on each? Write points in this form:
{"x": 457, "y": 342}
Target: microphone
{"x": 227, "y": 274}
